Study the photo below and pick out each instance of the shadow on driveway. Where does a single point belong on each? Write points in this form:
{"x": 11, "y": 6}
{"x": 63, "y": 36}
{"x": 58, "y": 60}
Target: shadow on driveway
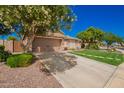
{"x": 56, "y": 62}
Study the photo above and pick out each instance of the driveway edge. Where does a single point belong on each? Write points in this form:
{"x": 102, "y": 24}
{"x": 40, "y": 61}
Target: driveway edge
{"x": 50, "y": 72}
{"x": 117, "y": 79}
{"x": 111, "y": 78}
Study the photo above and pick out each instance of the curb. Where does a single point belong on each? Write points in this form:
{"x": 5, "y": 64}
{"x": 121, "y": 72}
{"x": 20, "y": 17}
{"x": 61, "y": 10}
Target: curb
{"x": 115, "y": 74}
{"x": 111, "y": 78}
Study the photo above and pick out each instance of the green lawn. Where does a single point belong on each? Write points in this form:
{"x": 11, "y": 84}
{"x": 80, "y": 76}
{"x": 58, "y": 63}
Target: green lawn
{"x": 112, "y": 58}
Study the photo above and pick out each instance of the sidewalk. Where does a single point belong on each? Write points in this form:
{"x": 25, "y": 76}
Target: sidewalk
{"x": 120, "y": 50}
{"x": 117, "y": 80}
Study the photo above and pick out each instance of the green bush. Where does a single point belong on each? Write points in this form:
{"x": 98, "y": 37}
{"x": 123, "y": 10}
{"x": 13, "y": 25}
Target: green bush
{"x": 2, "y": 48}
{"x": 1, "y": 58}
{"x": 6, "y": 54}
{"x": 3, "y": 54}
{"x": 92, "y": 46}
{"x": 20, "y": 60}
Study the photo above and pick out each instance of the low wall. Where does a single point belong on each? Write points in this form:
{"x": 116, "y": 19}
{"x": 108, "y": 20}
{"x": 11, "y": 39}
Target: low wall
{"x": 11, "y": 46}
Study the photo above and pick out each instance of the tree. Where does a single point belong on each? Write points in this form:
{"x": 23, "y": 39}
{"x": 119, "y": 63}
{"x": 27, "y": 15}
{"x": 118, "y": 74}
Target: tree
{"x": 11, "y": 38}
{"x": 4, "y": 30}
{"x": 36, "y": 19}
{"x": 119, "y": 40}
{"x": 109, "y": 38}
{"x": 91, "y": 35}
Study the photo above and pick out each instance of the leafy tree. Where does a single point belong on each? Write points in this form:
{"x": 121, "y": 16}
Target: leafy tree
{"x": 4, "y": 30}
{"x": 119, "y": 40}
{"x": 91, "y": 35}
{"x": 109, "y": 38}
{"x": 36, "y": 19}
{"x": 11, "y": 38}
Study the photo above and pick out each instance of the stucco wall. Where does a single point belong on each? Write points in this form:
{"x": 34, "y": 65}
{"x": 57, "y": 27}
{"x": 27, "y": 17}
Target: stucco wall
{"x": 1, "y": 42}
{"x": 43, "y": 44}
{"x": 17, "y": 46}
{"x": 11, "y": 46}
{"x": 71, "y": 44}
{"x": 8, "y": 45}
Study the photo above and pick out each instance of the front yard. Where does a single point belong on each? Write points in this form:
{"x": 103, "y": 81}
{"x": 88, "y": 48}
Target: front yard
{"x": 25, "y": 70}
{"x": 26, "y": 77}
{"x": 113, "y": 58}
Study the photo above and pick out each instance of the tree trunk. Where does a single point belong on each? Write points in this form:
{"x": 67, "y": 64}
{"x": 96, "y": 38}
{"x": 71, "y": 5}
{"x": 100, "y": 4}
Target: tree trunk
{"x": 107, "y": 47}
{"x": 29, "y": 36}
{"x": 121, "y": 44}
{"x": 28, "y": 43}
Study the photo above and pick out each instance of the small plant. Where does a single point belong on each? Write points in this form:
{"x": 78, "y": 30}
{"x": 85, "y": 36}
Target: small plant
{"x": 2, "y": 48}
{"x": 112, "y": 50}
{"x": 1, "y": 58}
{"x": 3, "y": 54}
{"x": 20, "y": 60}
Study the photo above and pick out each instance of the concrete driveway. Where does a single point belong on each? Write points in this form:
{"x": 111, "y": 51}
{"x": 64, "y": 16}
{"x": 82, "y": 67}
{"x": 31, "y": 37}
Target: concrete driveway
{"x": 86, "y": 73}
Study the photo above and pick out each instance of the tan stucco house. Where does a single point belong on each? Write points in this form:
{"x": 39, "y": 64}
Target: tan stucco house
{"x": 55, "y": 42}
{"x": 50, "y": 42}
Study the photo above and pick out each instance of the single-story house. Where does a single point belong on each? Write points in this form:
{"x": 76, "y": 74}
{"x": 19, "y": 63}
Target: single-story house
{"x": 55, "y": 42}
{"x": 50, "y": 42}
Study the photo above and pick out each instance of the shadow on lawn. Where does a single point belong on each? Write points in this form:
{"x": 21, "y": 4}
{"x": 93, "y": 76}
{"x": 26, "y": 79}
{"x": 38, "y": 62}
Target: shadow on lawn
{"x": 56, "y": 62}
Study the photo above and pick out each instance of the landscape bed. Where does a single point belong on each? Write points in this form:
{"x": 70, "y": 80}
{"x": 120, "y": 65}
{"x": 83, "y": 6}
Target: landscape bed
{"x": 113, "y": 58}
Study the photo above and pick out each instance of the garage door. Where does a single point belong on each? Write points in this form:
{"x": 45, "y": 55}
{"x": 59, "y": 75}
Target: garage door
{"x": 46, "y": 44}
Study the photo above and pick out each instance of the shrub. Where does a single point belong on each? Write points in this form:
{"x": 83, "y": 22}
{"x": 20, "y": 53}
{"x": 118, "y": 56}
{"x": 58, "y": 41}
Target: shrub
{"x": 2, "y": 48}
{"x": 3, "y": 54}
{"x": 92, "y": 46}
{"x": 6, "y": 54}
{"x": 1, "y": 58}
{"x": 20, "y": 60}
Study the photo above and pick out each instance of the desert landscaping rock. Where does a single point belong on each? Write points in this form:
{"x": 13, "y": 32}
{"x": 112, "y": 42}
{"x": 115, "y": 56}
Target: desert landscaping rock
{"x": 27, "y": 77}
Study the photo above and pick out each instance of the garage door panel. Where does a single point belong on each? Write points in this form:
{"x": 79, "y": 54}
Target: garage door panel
{"x": 46, "y": 44}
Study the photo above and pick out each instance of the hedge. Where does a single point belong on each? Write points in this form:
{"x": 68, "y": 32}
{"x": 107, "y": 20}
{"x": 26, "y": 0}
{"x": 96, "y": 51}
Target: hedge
{"x": 20, "y": 60}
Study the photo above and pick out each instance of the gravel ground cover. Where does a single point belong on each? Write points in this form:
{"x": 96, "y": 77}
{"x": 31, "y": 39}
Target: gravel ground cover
{"x": 27, "y": 77}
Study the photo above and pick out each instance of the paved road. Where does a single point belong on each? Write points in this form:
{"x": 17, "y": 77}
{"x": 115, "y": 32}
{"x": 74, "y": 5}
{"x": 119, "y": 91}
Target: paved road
{"x": 87, "y": 73}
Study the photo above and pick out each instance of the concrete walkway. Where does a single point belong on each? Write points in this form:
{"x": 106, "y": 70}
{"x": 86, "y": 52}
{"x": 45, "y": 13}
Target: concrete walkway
{"x": 117, "y": 80}
{"x": 86, "y": 74}
{"x": 120, "y": 50}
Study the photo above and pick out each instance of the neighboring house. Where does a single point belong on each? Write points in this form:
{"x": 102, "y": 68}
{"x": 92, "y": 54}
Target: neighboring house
{"x": 50, "y": 42}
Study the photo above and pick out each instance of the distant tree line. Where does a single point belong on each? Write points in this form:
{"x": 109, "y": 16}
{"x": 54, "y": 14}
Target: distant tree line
{"x": 94, "y": 36}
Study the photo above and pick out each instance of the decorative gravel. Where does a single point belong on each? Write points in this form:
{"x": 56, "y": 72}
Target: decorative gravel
{"x": 27, "y": 77}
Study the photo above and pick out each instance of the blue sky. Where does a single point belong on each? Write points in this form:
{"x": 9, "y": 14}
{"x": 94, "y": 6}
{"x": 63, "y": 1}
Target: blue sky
{"x": 107, "y": 18}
